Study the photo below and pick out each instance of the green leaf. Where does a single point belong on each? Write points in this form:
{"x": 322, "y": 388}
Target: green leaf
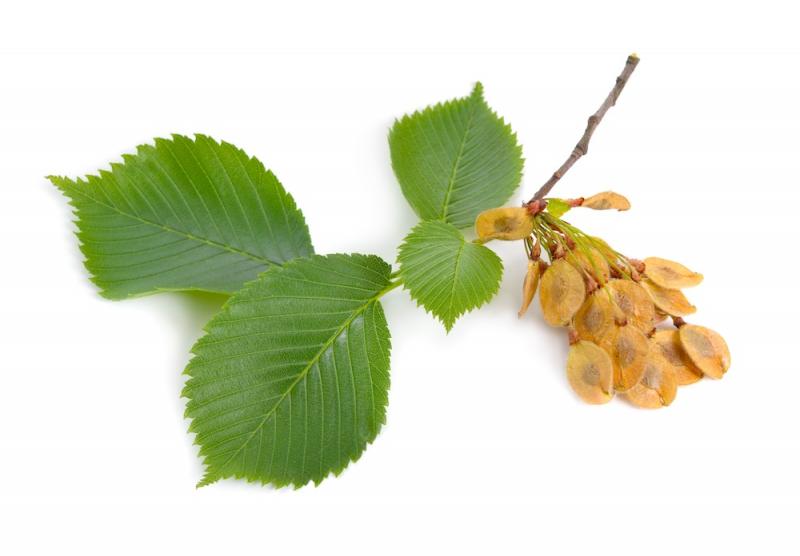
{"x": 291, "y": 381}
{"x": 456, "y": 159}
{"x": 557, "y": 207}
{"x": 184, "y": 215}
{"x": 446, "y": 274}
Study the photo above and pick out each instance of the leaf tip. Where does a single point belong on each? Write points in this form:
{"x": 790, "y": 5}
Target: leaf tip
{"x": 477, "y": 91}
{"x": 60, "y": 182}
{"x": 208, "y": 479}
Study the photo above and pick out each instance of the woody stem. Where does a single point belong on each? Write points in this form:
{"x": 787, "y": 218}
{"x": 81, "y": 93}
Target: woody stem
{"x": 582, "y": 147}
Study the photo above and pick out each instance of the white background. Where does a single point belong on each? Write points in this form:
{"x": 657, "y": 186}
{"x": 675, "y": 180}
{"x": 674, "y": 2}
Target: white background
{"x": 486, "y": 449}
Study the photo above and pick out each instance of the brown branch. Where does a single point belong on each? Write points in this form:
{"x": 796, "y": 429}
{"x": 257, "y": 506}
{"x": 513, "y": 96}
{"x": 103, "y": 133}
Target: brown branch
{"x": 582, "y": 147}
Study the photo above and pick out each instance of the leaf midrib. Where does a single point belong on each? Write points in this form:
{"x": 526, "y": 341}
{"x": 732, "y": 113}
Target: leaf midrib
{"x": 455, "y": 280}
{"x": 187, "y": 235}
{"x": 304, "y": 372}
{"x": 452, "y": 179}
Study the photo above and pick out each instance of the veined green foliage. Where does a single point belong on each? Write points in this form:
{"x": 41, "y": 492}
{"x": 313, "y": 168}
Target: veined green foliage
{"x": 456, "y": 159}
{"x": 184, "y": 214}
{"x": 446, "y": 274}
{"x": 291, "y": 381}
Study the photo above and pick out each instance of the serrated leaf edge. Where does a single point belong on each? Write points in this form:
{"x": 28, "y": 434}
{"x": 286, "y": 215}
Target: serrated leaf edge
{"x": 476, "y": 94}
{"x": 62, "y": 183}
{"x": 211, "y": 478}
{"x": 449, "y": 323}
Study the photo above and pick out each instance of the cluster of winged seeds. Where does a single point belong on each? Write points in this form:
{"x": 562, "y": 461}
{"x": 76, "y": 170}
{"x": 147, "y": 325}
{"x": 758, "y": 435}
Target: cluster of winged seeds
{"x": 624, "y": 316}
